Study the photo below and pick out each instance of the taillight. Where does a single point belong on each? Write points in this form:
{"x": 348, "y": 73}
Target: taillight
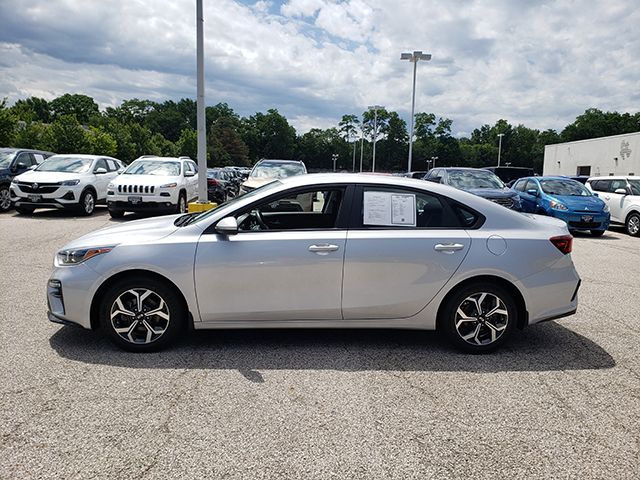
{"x": 212, "y": 181}
{"x": 564, "y": 243}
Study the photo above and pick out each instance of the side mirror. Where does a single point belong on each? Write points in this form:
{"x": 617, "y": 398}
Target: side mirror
{"x": 21, "y": 166}
{"x": 533, "y": 191}
{"x": 100, "y": 171}
{"x": 621, "y": 191}
{"x": 189, "y": 174}
{"x": 595, "y": 194}
{"x": 227, "y": 226}
{"x": 120, "y": 170}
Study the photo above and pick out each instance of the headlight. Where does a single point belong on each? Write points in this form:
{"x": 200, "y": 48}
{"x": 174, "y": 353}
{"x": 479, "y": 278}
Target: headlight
{"x": 169, "y": 185}
{"x": 70, "y": 183}
{"x": 557, "y": 205}
{"x": 79, "y": 255}
{"x": 606, "y": 208}
{"x": 111, "y": 185}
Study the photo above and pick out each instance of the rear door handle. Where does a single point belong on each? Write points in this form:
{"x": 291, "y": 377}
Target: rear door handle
{"x": 448, "y": 247}
{"x": 323, "y": 249}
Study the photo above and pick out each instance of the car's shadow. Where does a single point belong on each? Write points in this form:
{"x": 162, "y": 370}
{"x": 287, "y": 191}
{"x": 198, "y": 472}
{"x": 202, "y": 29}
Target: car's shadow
{"x": 544, "y": 347}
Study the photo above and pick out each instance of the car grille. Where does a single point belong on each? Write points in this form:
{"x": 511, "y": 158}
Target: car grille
{"x": 34, "y": 187}
{"x": 505, "y": 202}
{"x": 136, "y": 189}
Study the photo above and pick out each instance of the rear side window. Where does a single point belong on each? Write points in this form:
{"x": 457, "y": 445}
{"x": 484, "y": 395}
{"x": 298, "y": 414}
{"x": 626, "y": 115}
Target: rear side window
{"x": 531, "y": 185}
{"x": 38, "y": 157}
{"x": 112, "y": 165}
{"x": 402, "y": 208}
{"x": 616, "y": 184}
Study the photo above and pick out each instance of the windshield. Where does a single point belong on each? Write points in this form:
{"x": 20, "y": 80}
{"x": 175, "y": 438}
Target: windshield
{"x": 277, "y": 170}
{"x": 153, "y": 167}
{"x": 472, "y": 179}
{"x": 635, "y": 187}
{"x": 569, "y": 188}
{"x": 65, "y": 164}
{"x": 201, "y": 216}
{"x": 5, "y": 159}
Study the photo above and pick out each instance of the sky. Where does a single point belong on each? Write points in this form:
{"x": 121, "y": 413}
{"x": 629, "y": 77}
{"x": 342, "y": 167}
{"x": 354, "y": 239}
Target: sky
{"x": 539, "y": 63}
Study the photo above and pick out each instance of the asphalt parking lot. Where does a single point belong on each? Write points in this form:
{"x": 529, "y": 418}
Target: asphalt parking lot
{"x": 562, "y": 401}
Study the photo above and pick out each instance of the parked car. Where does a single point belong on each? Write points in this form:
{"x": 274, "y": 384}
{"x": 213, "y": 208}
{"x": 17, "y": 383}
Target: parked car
{"x": 622, "y": 195}
{"x": 77, "y": 182}
{"x": 579, "y": 178}
{"x": 372, "y": 252}
{"x": 509, "y": 174}
{"x": 154, "y": 184}
{"x": 565, "y": 199}
{"x": 266, "y": 171}
{"x": 415, "y": 174}
{"x": 477, "y": 181}
{"x": 220, "y": 185}
{"x": 14, "y": 161}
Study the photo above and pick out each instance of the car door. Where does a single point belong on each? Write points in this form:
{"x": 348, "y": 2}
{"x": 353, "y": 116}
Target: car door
{"x": 22, "y": 163}
{"x": 101, "y": 180}
{"x": 284, "y": 263}
{"x": 402, "y": 247}
{"x": 192, "y": 181}
{"x": 530, "y": 203}
{"x": 616, "y": 200}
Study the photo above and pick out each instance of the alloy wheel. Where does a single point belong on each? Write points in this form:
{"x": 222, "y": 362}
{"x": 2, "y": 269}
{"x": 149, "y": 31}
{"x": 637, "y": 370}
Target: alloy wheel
{"x": 182, "y": 205}
{"x": 5, "y": 199}
{"x": 481, "y": 318}
{"x": 633, "y": 225}
{"x": 89, "y": 203}
{"x": 140, "y": 316}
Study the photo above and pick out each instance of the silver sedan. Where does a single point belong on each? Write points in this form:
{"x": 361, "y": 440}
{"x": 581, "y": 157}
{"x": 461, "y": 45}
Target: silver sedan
{"x": 334, "y": 251}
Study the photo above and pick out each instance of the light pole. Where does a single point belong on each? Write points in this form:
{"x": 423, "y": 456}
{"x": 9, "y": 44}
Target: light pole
{"x": 200, "y": 120}
{"x": 375, "y": 109}
{"x": 334, "y": 157}
{"x": 361, "y": 145}
{"x": 500, "y": 135}
{"x": 433, "y": 162}
{"x": 413, "y": 57}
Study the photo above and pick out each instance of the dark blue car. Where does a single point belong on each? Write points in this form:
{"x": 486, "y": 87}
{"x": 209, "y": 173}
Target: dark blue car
{"x": 479, "y": 182}
{"x": 566, "y": 199}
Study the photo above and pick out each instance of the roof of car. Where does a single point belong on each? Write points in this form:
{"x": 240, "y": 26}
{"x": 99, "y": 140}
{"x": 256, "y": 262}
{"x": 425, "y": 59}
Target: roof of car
{"x": 615, "y": 177}
{"x": 31, "y": 150}
{"x": 82, "y": 155}
{"x": 163, "y": 159}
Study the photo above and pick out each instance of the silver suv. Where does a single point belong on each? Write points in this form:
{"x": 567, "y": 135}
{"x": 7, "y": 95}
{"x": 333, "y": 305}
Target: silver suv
{"x": 622, "y": 195}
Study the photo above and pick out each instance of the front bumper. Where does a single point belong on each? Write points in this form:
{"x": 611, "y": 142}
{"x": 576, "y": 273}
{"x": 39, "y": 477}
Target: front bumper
{"x": 69, "y": 294}
{"x": 63, "y": 197}
{"x": 583, "y": 221}
{"x": 142, "y": 203}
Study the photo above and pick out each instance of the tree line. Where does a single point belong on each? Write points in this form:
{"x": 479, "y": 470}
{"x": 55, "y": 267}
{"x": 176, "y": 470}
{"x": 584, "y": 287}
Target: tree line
{"x": 74, "y": 123}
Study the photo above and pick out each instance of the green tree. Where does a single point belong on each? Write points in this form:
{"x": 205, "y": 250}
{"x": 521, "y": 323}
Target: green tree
{"x": 268, "y": 135}
{"x": 394, "y": 148}
{"x": 101, "y": 142}
{"x": 187, "y": 144}
{"x": 66, "y": 135}
{"x": 8, "y": 125}
{"x": 32, "y": 109}
{"x": 33, "y": 135}
{"x": 224, "y": 132}
{"x": 82, "y": 106}
{"x": 130, "y": 111}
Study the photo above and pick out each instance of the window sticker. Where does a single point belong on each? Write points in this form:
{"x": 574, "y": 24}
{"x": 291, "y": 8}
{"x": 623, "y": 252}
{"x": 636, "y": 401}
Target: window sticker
{"x": 389, "y": 209}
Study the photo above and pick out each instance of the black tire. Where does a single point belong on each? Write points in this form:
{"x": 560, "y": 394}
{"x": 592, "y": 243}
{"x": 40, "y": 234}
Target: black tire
{"x": 597, "y": 233}
{"x": 172, "y": 327}
{"x": 116, "y": 213}
{"x": 5, "y": 198}
{"x": 181, "y": 207}
{"x": 632, "y": 224}
{"x": 87, "y": 204}
{"x": 482, "y": 342}
{"x": 22, "y": 210}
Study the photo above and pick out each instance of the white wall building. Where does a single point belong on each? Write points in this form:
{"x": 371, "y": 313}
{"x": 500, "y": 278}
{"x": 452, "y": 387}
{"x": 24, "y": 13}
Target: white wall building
{"x": 615, "y": 155}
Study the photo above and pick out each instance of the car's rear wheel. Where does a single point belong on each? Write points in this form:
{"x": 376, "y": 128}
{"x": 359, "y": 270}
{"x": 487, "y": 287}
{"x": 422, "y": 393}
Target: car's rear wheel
{"x": 479, "y": 317}
{"x": 142, "y": 314}
{"x": 87, "y": 203}
{"x": 5, "y": 198}
{"x": 597, "y": 233}
{"x": 633, "y": 224}
{"x": 24, "y": 210}
{"x": 116, "y": 213}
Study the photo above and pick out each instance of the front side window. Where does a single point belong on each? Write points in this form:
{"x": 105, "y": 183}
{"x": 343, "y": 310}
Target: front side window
{"x": 635, "y": 187}
{"x": 154, "y": 167}
{"x": 315, "y": 209}
{"x": 616, "y": 184}
{"x": 401, "y": 208}
{"x": 59, "y": 163}
{"x": 531, "y": 185}
{"x": 519, "y": 185}
{"x": 101, "y": 163}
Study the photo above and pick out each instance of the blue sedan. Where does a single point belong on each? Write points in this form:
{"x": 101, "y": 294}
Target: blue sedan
{"x": 565, "y": 199}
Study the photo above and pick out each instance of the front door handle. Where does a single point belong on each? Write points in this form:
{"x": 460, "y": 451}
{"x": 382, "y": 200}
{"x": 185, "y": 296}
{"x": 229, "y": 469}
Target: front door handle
{"x": 448, "y": 247}
{"x": 323, "y": 249}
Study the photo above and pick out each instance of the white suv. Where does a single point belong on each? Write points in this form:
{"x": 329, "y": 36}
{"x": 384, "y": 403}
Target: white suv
{"x": 65, "y": 181}
{"x": 622, "y": 195}
{"x": 154, "y": 184}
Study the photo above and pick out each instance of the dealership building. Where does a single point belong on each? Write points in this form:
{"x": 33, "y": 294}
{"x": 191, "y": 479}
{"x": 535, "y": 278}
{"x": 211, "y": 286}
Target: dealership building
{"x": 615, "y": 155}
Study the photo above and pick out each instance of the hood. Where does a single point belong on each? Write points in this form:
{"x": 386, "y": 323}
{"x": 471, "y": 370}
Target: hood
{"x": 137, "y": 231}
{"x": 574, "y": 202}
{"x": 492, "y": 192}
{"x": 146, "y": 180}
{"x": 253, "y": 183}
{"x": 46, "y": 177}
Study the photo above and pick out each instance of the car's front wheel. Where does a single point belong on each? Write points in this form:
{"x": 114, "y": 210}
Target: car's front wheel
{"x": 633, "y": 224}
{"x": 479, "y": 317}
{"x": 87, "y": 203}
{"x": 142, "y": 314}
{"x": 5, "y": 198}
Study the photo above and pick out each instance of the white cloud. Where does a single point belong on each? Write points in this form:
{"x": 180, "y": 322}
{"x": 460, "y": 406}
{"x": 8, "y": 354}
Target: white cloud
{"x": 537, "y": 63}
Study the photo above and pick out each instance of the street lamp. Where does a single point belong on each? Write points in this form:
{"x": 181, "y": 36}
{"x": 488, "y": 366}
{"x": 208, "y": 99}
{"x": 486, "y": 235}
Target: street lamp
{"x": 500, "y": 135}
{"x": 375, "y": 109}
{"x": 433, "y": 162}
{"x": 334, "y": 157}
{"x": 413, "y": 57}
{"x": 361, "y": 144}
{"x": 200, "y": 110}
